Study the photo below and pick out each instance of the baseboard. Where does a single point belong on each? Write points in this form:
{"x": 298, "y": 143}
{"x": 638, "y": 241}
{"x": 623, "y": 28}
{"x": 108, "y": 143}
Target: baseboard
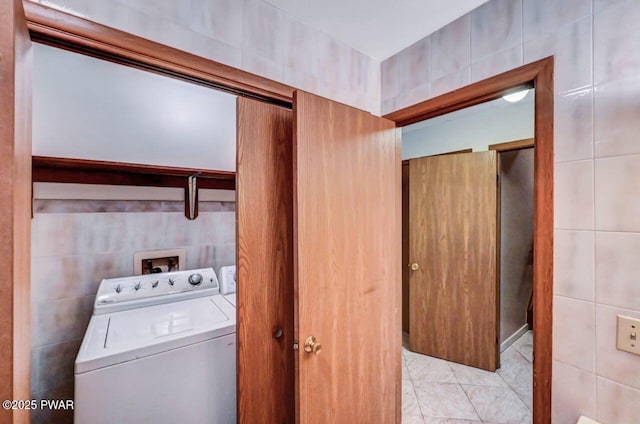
{"x": 512, "y": 338}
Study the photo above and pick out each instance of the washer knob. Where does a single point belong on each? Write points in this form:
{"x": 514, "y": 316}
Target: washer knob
{"x": 119, "y": 288}
{"x": 138, "y": 285}
{"x": 195, "y": 279}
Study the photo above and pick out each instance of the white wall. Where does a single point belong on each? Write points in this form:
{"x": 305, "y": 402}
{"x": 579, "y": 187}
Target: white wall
{"x": 475, "y": 127}
{"x": 89, "y": 108}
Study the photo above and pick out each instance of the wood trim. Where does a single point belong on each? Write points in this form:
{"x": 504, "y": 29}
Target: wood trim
{"x": 15, "y": 209}
{"x": 471, "y": 95}
{"x": 513, "y": 145}
{"x": 82, "y": 171}
{"x": 538, "y": 74}
{"x": 62, "y": 29}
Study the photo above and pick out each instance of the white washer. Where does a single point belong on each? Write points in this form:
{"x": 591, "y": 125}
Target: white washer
{"x": 228, "y": 283}
{"x": 160, "y": 348}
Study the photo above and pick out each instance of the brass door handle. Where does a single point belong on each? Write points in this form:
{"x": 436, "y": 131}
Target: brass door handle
{"x": 414, "y": 266}
{"x": 312, "y": 346}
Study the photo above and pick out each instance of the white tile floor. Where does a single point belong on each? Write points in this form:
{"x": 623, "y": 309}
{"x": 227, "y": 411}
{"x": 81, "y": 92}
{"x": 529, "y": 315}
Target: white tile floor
{"x": 435, "y": 391}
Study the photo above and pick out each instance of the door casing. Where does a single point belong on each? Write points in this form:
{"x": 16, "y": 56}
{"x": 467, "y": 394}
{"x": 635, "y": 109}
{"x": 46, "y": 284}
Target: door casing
{"x": 539, "y": 75}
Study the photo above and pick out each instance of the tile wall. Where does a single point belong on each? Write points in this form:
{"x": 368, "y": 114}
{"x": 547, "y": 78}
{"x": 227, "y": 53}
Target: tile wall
{"x": 597, "y": 173}
{"x": 72, "y": 252}
{"x": 251, "y": 35}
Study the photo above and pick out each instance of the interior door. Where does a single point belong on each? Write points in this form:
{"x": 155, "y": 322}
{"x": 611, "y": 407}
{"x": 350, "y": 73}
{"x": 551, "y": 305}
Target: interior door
{"x": 347, "y": 211}
{"x": 264, "y": 191}
{"x": 453, "y": 258}
{"x": 15, "y": 206}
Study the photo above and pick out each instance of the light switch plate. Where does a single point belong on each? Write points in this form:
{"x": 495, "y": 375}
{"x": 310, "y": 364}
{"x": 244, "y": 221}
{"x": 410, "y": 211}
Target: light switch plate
{"x": 629, "y": 334}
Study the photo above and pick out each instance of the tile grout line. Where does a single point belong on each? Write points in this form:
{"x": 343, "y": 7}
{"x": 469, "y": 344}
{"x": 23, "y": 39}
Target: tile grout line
{"x": 413, "y": 387}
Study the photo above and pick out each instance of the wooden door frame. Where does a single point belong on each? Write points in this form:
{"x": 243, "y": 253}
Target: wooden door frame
{"x": 60, "y": 29}
{"x": 539, "y": 75}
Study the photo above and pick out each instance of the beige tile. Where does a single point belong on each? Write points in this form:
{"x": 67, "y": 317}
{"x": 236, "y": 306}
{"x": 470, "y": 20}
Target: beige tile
{"x": 414, "y": 65}
{"x": 616, "y": 403}
{"x": 218, "y": 19}
{"x": 450, "y": 48}
{"x": 496, "y": 63}
{"x": 53, "y": 416}
{"x": 573, "y": 264}
{"x": 390, "y": 105}
{"x": 413, "y": 96}
{"x": 617, "y": 269}
{"x": 616, "y": 109}
{"x": 574, "y": 333}
{"x": 616, "y": 42}
{"x": 410, "y": 405}
{"x": 405, "y": 371}
{"x": 412, "y": 419}
{"x": 218, "y": 51}
{"x": 612, "y": 363}
{"x": 526, "y": 396}
{"x": 57, "y": 277}
{"x": 301, "y": 80}
{"x": 573, "y": 125}
{"x": 477, "y": 377}
{"x": 109, "y": 265}
{"x": 34, "y": 368}
{"x": 423, "y": 369}
{"x": 56, "y": 364}
{"x": 258, "y": 65}
{"x": 574, "y": 195}
{"x": 547, "y": 16}
{"x": 497, "y": 404}
{"x": 617, "y": 193}
{"x": 573, "y": 392}
{"x": 264, "y": 30}
{"x": 59, "y": 234}
{"x": 450, "y": 82}
{"x": 61, "y": 320}
{"x": 495, "y": 26}
{"x": 442, "y": 400}
{"x": 515, "y": 369}
{"x": 389, "y": 77}
{"x": 571, "y": 48}
{"x": 435, "y": 420}
{"x": 524, "y": 345}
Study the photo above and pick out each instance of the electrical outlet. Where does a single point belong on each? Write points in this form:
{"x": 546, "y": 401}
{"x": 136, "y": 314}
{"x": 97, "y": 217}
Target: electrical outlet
{"x": 629, "y": 334}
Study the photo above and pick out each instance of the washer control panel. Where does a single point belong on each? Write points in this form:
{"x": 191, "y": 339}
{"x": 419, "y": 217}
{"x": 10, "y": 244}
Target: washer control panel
{"x": 117, "y": 294}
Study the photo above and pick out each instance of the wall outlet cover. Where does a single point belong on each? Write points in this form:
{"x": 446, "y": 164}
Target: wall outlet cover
{"x": 629, "y": 334}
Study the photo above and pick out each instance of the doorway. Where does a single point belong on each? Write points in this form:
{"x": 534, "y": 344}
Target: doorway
{"x": 539, "y": 75}
{"x": 468, "y": 231}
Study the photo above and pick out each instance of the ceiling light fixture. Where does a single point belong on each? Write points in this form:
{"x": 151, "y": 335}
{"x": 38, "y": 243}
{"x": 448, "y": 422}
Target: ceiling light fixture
{"x": 516, "y": 96}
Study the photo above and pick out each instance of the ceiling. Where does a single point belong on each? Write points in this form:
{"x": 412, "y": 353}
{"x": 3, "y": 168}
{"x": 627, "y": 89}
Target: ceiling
{"x": 377, "y": 28}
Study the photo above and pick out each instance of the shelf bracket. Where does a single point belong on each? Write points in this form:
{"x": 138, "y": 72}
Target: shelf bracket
{"x": 191, "y": 198}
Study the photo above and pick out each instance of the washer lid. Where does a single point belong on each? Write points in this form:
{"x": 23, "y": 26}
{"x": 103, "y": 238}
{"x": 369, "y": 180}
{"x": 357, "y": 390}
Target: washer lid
{"x": 123, "y": 336}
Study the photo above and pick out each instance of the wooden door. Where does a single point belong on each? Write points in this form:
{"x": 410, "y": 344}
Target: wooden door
{"x": 264, "y": 205}
{"x": 15, "y": 207}
{"x": 453, "y": 241}
{"x": 347, "y": 212}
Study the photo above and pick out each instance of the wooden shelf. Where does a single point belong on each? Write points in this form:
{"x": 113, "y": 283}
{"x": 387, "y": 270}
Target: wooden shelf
{"x": 82, "y": 171}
